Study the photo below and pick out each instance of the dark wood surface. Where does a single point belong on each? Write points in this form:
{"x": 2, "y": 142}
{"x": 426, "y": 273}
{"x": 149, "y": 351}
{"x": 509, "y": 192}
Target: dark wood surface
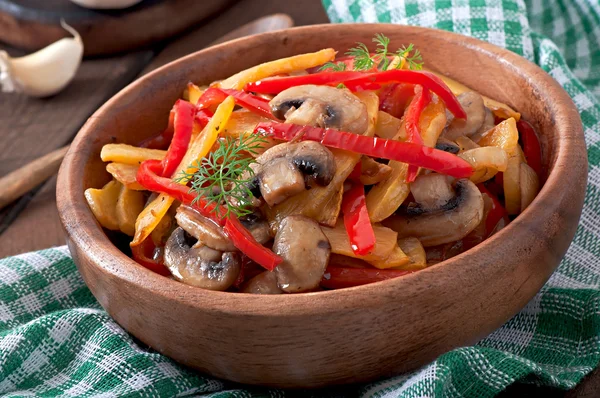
{"x": 33, "y": 24}
{"x": 31, "y": 128}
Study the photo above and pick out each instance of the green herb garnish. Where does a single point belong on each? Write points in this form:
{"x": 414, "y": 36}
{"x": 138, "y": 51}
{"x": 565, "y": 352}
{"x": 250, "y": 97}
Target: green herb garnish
{"x": 223, "y": 177}
{"x": 339, "y": 67}
{"x": 363, "y": 60}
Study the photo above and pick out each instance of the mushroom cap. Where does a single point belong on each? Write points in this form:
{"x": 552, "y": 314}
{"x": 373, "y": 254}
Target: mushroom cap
{"x": 198, "y": 265}
{"x": 305, "y": 251}
{"x": 321, "y": 106}
{"x": 203, "y": 229}
{"x": 473, "y": 105}
{"x": 286, "y": 169}
{"x": 448, "y": 223}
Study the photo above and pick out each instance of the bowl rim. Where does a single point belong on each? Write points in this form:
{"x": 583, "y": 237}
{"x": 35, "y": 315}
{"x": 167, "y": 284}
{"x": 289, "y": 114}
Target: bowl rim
{"x": 81, "y": 227}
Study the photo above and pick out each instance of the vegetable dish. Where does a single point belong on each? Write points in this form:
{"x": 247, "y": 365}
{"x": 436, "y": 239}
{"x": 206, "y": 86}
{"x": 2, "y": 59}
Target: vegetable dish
{"x": 314, "y": 172}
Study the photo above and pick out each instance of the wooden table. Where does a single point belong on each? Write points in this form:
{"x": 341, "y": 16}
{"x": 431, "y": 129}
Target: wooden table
{"x": 30, "y": 128}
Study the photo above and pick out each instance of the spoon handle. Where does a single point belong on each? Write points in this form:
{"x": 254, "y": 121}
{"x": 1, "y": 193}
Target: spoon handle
{"x": 24, "y": 179}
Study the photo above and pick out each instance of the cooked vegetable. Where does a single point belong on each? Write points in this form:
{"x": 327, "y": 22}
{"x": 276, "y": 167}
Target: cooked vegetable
{"x": 486, "y": 162}
{"x": 103, "y": 203}
{"x": 529, "y": 184}
{"x": 277, "y": 67}
{"x": 304, "y": 260}
{"x": 369, "y": 173}
{"x": 129, "y": 205}
{"x": 321, "y": 106}
{"x": 125, "y": 174}
{"x": 198, "y": 265}
{"x": 128, "y": 154}
{"x": 473, "y": 105}
{"x": 356, "y": 219}
{"x": 415, "y": 154}
{"x": 385, "y": 242}
{"x": 447, "y": 223}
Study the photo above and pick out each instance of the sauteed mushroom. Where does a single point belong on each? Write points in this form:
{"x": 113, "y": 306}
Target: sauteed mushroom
{"x": 321, "y": 106}
{"x": 263, "y": 283}
{"x": 198, "y": 265}
{"x": 444, "y": 144}
{"x": 211, "y": 235}
{"x": 284, "y": 170}
{"x": 473, "y": 105}
{"x": 448, "y": 222}
{"x": 305, "y": 251}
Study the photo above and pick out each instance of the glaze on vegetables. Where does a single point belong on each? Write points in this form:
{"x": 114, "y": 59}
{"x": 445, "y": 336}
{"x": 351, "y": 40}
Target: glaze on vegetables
{"x": 314, "y": 172}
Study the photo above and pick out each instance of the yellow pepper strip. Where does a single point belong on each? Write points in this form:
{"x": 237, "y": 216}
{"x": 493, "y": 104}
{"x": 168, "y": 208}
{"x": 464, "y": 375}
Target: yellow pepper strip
{"x": 126, "y": 174}
{"x": 340, "y": 243}
{"x": 530, "y": 185}
{"x": 129, "y": 205}
{"x": 512, "y": 185}
{"x": 504, "y": 135}
{"x": 193, "y": 93}
{"x": 415, "y": 252}
{"x": 198, "y": 148}
{"x": 277, "y": 67}
{"x": 129, "y": 154}
{"x": 397, "y": 258}
{"x": 498, "y": 108}
{"x": 103, "y": 204}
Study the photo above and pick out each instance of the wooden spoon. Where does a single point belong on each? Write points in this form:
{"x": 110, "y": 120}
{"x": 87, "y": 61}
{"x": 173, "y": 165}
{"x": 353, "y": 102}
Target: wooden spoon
{"x": 24, "y": 179}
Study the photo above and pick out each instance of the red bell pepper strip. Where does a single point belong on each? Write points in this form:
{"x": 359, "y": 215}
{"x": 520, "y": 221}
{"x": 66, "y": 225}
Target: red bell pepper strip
{"x": 203, "y": 117}
{"x": 339, "y": 277}
{"x": 496, "y": 214}
{"x": 413, "y": 114}
{"x": 394, "y": 98}
{"x": 278, "y": 84}
{"x": 531, "y": 146}
{"x": 251, "y": 102}
{"x": 162, "y": 140}
{"x": 356, "y": 217}
{"x": 143, "y": 254}
{"x": 243, "y": 240}
{"x": 148, "y": 177}
{"x": 428, "y": 80}
{"x": 358, "y": 81}
{"x": 183, "y": 126}
{"x": 421, "y": 156}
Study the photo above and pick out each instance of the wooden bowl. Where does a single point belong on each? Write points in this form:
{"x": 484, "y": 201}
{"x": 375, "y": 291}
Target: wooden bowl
{"x": 349, "y": 335}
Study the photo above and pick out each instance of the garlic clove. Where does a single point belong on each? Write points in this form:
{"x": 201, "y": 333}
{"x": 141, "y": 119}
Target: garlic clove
{"x": 106, "y": 4}
{"x": 45, "y": 72}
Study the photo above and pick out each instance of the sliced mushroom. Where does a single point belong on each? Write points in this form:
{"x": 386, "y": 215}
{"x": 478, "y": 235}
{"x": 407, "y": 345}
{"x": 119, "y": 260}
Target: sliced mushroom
{"x": 444, "y": 144}
{"x": 203, "y": 229}
{"x": 212, "y": 235}
{"x": 263, "y": 283}
{"x": 258, "y": 227}
{"x": 372, "y": 171}
{"x": 198, "y": 265}
{"x": 432, "y": 191}
{"x": 447, "y": 223}
{"x": 286, "y": 169}
{"x": 321, "y": 106}
{"x": 305, "y": 251}
{"x": 473, "y": 105}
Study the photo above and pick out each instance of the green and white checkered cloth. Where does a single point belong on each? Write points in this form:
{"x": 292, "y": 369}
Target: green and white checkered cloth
{"x": 55, "y": 340}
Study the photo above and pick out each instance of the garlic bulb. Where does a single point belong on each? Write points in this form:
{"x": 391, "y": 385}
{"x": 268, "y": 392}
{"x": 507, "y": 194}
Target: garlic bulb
{"x": 45, "y": 72}
{"x": 106, "y": 4}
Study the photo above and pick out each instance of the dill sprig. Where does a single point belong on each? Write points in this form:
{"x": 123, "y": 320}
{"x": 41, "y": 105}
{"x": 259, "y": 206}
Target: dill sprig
{"x": 339, "y": 67}
{"x": 223, "y": 177}
{"x": 415, "y": 62}
{"x": 363, "y": 60}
